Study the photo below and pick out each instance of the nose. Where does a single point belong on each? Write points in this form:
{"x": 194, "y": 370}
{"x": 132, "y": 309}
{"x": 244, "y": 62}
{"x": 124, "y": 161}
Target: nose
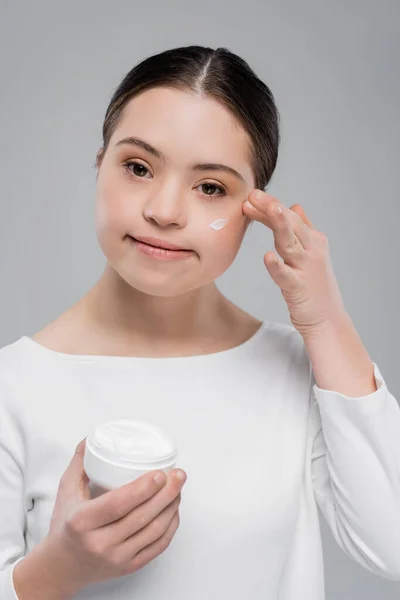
{"x": 166, "y": 208}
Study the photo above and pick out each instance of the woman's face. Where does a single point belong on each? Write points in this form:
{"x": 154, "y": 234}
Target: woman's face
{"x": 143, "y": 195}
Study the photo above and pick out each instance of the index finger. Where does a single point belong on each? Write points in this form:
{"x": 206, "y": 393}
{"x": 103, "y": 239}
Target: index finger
{"x": 255, "y": 214}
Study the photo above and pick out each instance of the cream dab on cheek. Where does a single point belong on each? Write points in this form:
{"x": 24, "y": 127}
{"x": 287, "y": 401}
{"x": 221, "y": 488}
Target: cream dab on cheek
{"x": 218, "y": 224}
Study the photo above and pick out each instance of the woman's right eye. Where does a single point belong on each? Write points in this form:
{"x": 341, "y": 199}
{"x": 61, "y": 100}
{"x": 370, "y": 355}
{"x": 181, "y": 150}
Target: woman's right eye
{"x": 138, "y": 168}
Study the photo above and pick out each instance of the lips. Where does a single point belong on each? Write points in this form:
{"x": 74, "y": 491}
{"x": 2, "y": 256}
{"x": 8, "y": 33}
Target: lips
{"x": 157, "y": 252}
{"x": 157, "y": 243}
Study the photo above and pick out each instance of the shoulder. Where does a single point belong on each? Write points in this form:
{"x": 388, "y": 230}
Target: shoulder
{"x": 22, "y": 363}
{"x": 282, "y": 337}
{"x": 13, "y": 356}
{"x": 282, "y": 348}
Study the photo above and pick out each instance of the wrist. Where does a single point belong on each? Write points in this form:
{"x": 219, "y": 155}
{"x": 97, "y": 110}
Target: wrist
{"x": 332, "y": 326}
{"x": 43, "y": 575}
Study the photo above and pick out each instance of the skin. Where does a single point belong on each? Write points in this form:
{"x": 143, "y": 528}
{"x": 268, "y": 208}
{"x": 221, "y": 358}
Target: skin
{"x": 142, "y": 306}
{"x": 182, "y": 211}
{"x": 302, "y": 267}
{"x": 146, "y": 307}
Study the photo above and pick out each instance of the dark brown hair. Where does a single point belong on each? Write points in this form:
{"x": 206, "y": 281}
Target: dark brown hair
{"x": 216, "y": 73}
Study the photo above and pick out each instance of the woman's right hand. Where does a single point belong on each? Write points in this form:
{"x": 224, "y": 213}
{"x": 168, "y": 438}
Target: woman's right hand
{"x": 96, "y": 539}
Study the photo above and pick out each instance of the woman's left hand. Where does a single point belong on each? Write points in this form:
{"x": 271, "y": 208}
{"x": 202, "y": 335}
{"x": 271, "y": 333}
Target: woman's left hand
{"x": 305, "y": 275}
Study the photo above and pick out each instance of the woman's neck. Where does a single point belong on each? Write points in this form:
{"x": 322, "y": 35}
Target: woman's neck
{"x": 114, "y": 319}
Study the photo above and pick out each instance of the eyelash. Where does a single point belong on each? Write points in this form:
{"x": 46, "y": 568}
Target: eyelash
{"x": 133, "y": 162}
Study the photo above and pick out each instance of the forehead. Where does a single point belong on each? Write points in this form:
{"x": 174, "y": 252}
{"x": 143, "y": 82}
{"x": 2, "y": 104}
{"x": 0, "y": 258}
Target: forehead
{"x": 182, "y": 123}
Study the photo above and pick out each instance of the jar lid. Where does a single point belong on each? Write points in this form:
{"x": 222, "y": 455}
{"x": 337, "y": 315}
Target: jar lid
{"x": 130, "y": 442}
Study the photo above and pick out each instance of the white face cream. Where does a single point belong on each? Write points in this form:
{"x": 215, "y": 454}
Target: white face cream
{"x": 218, "y": 224}
{"x": 120, "y": 451}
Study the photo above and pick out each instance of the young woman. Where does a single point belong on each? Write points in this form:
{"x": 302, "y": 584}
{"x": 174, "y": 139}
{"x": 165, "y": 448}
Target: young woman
{"x": 271, "y": 421}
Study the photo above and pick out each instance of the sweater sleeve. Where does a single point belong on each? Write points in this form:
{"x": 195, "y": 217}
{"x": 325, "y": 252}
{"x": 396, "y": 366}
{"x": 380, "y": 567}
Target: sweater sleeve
{"x": 355, "y": 468}
{"x": 12, "y": 513}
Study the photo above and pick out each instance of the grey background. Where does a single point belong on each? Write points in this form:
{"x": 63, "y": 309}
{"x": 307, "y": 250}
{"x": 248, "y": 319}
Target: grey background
{"x": 334, "y": 70}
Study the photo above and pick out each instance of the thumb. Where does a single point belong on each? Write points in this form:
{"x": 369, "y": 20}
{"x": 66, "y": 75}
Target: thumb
{"x": 73, "y": 489}
{"x": 75, "y": 475}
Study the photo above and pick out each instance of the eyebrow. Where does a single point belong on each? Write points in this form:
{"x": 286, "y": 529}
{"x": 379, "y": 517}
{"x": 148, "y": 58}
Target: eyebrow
{"x": 196, "y": 167}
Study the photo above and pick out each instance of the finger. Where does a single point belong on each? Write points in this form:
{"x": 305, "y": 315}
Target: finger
{"x": 137, "y": 539}
{"x": 115, "y": 504}
{"x": 263, "y": 209}
{"x": 301, "y": 228}
{"x": 252, "y": 213}
{"x": 259, "y": 200}
{"x": 285, "y": 239}
{"x": 299, "y": 210}
{"x": 298, "y": 233}
{"x": 144, "y": 514}
{"x": 153, "y": 550}
{"x": 280, "y": 272}
{"x": 290, "y": 233}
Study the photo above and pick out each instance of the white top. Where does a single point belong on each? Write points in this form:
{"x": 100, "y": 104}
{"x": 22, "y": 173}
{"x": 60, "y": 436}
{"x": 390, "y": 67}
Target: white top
{"x": 261, "y": 455}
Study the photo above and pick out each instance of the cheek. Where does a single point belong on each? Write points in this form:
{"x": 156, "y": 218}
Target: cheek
{"x": 112, "y": 208}
{"x": 110, "y": 226}
{"x": 225, "y": 235}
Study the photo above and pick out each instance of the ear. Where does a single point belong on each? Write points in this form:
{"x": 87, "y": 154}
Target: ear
{"x": 99, "y": 157}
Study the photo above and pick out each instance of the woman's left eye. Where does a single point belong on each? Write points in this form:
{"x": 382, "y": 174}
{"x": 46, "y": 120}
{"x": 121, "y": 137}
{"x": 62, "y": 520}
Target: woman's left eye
{"x": 132, "y": 163}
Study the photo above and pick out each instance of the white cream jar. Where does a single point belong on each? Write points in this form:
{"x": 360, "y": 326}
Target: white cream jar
{"x": 120, "y": 451}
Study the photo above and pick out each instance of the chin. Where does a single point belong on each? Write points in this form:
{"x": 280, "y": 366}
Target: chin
{"x": 154, "y": 284}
